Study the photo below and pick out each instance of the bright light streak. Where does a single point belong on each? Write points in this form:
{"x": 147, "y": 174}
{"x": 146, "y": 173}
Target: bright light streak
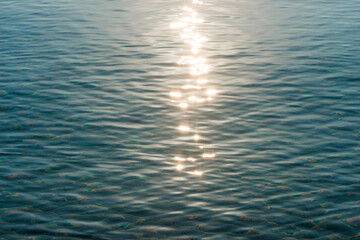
{"x": 194, "y": 38}
{"x": 184, "y": 128}
{"x": 197, "y": 173}
{"x": 197, "y": 2}
{"x": 190, "y": 60}
{"x": 179, "y": 159}
{"x": 195, "y": 50}
{"x": 193, "y": 19}
{"x": 196, "y": 137}
{"x": 192, "y": 98}
{"x": 187, "y": 9}
{"x": 183, "y": 105}
{"x": 200, "y": 100}
{"x": 191, "y": 87}
{"x": 199, "y": 69}
{"x": 208, "y": 155}
{"x": 186, "y": 60}
{"x": 175, "y": 94}
{"x": 178, "y": 25}
{"x": 211, "y": 92}
{"x": 201, "y": 81}
{"x": 194, "y": 91}
{"x": 179, "y": 167}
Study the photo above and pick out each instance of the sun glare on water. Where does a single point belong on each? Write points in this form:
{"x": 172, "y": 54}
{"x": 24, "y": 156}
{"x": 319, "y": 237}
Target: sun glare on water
{"x": 184, "y": 128}
{"x": 195, "y": 92}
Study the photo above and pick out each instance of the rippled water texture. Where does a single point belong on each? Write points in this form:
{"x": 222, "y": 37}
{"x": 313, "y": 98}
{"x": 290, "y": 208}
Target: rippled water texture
{"x": 89, "y": 135}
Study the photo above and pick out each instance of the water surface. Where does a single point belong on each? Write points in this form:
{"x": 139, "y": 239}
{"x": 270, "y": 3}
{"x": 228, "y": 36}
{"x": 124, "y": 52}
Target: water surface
{"x": 88, "y": 131}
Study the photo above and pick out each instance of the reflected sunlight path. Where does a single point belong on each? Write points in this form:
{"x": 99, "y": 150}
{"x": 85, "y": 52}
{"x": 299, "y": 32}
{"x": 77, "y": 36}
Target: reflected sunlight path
{"x": 193, "y": 93}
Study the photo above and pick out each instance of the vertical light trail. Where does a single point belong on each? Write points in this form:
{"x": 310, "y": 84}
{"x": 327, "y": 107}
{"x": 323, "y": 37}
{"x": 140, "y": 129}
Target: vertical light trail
{"x": 195, "y": 91}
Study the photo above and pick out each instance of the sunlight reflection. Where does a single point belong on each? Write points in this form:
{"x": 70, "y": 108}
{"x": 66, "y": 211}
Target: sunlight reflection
{"x": 175, "y": 94}
{"x": 201, "y": 81}
{"x": 185, "y": 60}
{"x": 192, "y": 99}
{"x": 183, "y": 105}
{"x": 196, "y": 137}
{"x": 191, "y": 87}
{"x": 190, "y": 60}
{"x": 179, "y": 159}
{"x": 178, "y": 25}
{"x": 200, "y": 100}
{"x": 211, "y": 92}
{"x": 208, "y": 155}
{"x": 199, "y": 69}
{"x": 179, "y": 167}
{"x": 195, "y": 92}
{"x": 197, "y": 2}
{"x": 197, "y": 173}
{"x": 195, "y": 38}
{"x": 184, "y": 128}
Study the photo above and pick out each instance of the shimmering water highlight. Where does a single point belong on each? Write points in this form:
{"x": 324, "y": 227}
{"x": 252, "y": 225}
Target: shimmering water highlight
{"x": 191, "y": 95}
{"x": 92, "y": 94}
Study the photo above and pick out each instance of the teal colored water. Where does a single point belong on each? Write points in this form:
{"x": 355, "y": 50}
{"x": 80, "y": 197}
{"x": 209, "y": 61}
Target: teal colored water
{"x": 90, "y": 146}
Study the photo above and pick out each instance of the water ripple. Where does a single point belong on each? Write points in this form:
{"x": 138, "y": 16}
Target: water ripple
{"x": 89, "y": 132}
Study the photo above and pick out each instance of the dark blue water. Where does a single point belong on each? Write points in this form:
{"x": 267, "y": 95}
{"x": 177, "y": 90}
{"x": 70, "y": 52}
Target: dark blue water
{"x": 88, "y": 131}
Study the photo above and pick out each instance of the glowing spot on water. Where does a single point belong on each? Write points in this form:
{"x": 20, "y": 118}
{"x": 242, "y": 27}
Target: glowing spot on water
{"x": 178, "y": 25}
{"x": 187, "y": 87}
{"x": 201, "y": 81}
{"x": 187, "y": 9}
{"x": 200, "y": 100}
{"x": 184, "y": 128}
{"x": 179, "y": 167}
{"x": 197, "y": 173}
{"x": 193, "y": 19}
{"x": 208, "y": 155}
{"x": 211, "y": 92}
{"x": 196, "y": 37}
{"x": 192, "y": 98}
{"x": 183, "y": 105}
{"x": 199, "y": 69}
{"x": 197, "y": 2}
{"x": 175, "y": 94}
{"x": 196, "y": 137}
{"x": 192, "y": 61}
{"x": 188, "y": 32}
{"x": 185, "y": 60}
{"x": 179, "y": 159}
{"x": 194, "y": 91}
{"x": 199, "y": 60}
